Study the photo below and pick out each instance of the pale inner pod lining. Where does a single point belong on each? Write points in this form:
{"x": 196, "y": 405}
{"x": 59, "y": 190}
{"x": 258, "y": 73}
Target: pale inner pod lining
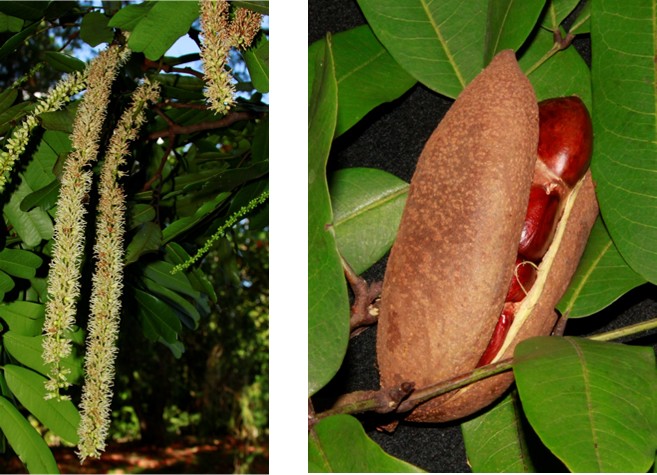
{"x": 530, "y": 301}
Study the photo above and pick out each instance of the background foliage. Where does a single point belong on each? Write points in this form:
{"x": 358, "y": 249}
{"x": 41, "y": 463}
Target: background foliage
{"x": 193, "y": 357}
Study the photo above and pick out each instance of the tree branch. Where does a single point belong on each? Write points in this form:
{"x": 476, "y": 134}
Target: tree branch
{"x": 231, "y": 118}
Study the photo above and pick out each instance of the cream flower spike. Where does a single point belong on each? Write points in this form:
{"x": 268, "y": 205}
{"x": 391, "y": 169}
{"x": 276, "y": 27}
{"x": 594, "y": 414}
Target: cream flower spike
{"x": 103, "y": 327}
{"x": 55, "y": 100}
{"x": 64, "y": 275}
{"x": 218, "y": 36}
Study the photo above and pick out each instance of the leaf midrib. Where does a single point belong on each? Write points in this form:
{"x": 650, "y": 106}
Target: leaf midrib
{"x": 372, "y": 205}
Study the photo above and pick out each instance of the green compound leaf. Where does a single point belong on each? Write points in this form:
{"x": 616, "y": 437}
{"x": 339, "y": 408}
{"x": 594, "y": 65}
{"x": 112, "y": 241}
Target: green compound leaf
{"x": 25, "y": 10}
{"x": 196, "y": 277}
{"x": 624, "y": 160}
{"x": 24, "y": 318}
{"x": 161, "y": 28}
{"x": 61, "y": 417}
{"x": 260, "y": 6}
{"x": 557, "y": 12}
{"x": 590, "y": 402}
{"x": 140, "y": 213}
{"x": 25, "y": 440}
{"x": 339, "y": 444}
{"x": 156, "y": 318}
{"x": 7, "y": 98}
{"x": 10, "y": 23}
{"x": 176, "y": 301}
{"x": 20, "y": 263}
{"x": 45, "y": 198}
{"x": 94, "y": 29}
{"x": 32, "y": 227}
{"x": 13, "y": 42}
{"x": 64, "y": 62}
{"x": 583, "y": 22}
{"x": 328, "y": 309}
{"x": 148, "y": 239}
{"x": 160, "y": 272}
{"x": 129, "y": 16}
{"x": 257, "y": 60}
{"x": 184, "y": 225}
{"x": 28, "y": 351}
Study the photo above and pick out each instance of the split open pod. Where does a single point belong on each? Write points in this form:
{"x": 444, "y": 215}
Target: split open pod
{"x": 450, "y": 269}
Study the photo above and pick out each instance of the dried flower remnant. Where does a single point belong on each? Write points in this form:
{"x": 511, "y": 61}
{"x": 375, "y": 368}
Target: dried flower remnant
{"x": 64, "y": 276}
{"x": 95, "y": 407}
{"x": 55, "y": 100}
{"x": 219, "y": 35}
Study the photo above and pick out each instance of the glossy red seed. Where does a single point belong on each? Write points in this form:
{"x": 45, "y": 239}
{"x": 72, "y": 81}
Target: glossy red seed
{"x": 540, "y": 223}
{"x": 565, "y": 137}
{"x": 499, "y": 335}
{"x": 526, "y": 275}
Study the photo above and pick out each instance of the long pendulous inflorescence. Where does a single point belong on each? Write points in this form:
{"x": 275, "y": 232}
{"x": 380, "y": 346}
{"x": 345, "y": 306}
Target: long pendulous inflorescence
{"x": 55, "y": 100}
{"x": 64, "y": 275}
{"x": 230, "y": 222}
{"x": 219, "y": 35}
{"x": 107, "y": 286}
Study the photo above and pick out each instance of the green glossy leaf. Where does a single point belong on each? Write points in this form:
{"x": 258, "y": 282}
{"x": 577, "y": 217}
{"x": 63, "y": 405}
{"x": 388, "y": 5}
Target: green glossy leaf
{"x": 129, "y": 16}
{"x": 61, "y": 417}
{"x": 260, "y": 6}
{"x": 509, "y": 24}
{"x": 25, "y": 10}
{"x": 164, "y": 24}
{"x": 232, "y": 178}
{"x": 45, "y": 198}
{"x": 28, "y": 351}
{"x": 33, "y": 226}
{"x": 6, "y": 283}
{"x": 147, "y": 239}
{"x": 328, "y": 312}
{"x": 495, "y": 441}
{"x": 11, "y": 115}
{"x": 367, "y": 209}
{"x": 140, "y": 213}
{"x": 625, "y": 153}
{"x": 441, "y": 44}
{"x": 61, "y": 120}
{"x": 366, "y": 74}
{"x": 157, "y": 318}
{"x": 12, "y": 43}
{"x": 110, "y": 5}
{"x": 59, "y": 8}
{"x": 24, "y": 318}
{"x": 257, "y": 60}
{"x": 176, "y": 301}
{"x": 160, "y": 272}
{"x": 583, "y": 22}
{"x": 557, "y": 12}
{"x": 25, "y": 440}
{"x": 7, "y": 98}
{"x": 191, "y": 181}
{"x": 64, "y": 62}
{"x": 602, "y": 277}
{"x": 177, "y": 348}
{"x": 10, "y": 23}
{"x": 196, "y": 277}
{"x": 589, "y": 401}
{"x": 184, "y": 225}
{"x": 19, "y": 263}
{"x": 564, "y": 74}
{"x": 339, "y": 444}
{"x": 94, "y": 29}
{"x": 59, "y": 142}
{"x": 39, "y": 172}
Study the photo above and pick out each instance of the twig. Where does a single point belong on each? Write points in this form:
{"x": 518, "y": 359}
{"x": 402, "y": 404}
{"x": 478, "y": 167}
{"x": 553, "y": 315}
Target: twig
{"x": 169, "y": 69}
{"x": 363, "y": 312}
{"x": 382, "y": 401}
{"x": 181, "y": 105}
{"x": 423, "y": 394}
{"x": 70, "y": 38}
{"x": 625, "y": 331}
{"x": 231, "y": 118}
{"x": 560, "y": 327}
{"x": 158, "y": 173}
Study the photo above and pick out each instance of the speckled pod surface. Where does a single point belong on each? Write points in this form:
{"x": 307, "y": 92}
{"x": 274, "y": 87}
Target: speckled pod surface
{"x": 451, "y": 264}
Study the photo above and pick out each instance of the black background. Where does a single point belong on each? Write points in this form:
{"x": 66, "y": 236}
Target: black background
{"x": 391, "y": 138}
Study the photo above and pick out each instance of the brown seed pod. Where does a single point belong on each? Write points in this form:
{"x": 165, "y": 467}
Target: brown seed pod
{"x": 450, "y": 267}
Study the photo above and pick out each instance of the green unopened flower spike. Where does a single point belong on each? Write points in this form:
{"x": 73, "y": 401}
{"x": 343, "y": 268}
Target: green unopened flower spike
{"x": 64, "y": 276}
{"x": 56, "y": 98}
{"x": 107, "y": 281}
{"x": 220, "y": 232}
